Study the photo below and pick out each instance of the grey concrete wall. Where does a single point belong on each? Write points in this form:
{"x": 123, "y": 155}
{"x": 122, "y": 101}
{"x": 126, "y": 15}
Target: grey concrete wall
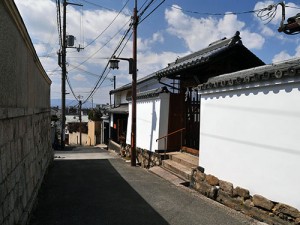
{"x": 25, "y": 148}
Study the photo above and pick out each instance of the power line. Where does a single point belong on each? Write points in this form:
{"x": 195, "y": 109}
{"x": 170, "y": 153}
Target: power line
{"x": 214, "y": 14}
{"x": 70, "y": 86}
{"x": 152, "y": 11}
{"x": 100, "y": 47}
{"x": 108, "y": 24}
{"x": 96, "y": 87}
{"x": 99, "y": 6}
{"x": 292, "y": 7}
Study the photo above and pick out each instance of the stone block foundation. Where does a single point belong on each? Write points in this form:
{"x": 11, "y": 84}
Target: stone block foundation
{"x": 238, "y": 198}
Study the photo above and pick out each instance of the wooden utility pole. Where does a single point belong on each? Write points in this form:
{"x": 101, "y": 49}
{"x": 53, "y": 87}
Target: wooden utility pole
{"x": 64, "y": 70}
{"x": 63, "y": 77}
{"x": 134, "y": 77}
{"x": 114, "y": 80}
{"x": 80, "y": 123}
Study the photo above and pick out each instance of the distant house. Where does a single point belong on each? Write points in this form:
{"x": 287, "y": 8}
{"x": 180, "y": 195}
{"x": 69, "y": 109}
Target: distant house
{"x": 182, "y": 102}
{"x": 250, "y": 126}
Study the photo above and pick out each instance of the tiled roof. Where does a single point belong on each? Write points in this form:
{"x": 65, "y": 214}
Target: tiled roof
{"x": 128, "y": 86}
{"x": 200, "y": 57}
{"x": 121, "y": 109}
{"x": 273, "y": 71}
{"x": 150, "y": 93}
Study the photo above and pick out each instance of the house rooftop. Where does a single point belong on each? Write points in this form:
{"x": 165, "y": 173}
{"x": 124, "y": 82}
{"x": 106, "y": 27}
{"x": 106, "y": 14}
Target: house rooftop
{"x": 288, "y": 68}
{"x": 128, "y": 86}
{"x": 200, "y": 58}
{"x": 204, "y": 62}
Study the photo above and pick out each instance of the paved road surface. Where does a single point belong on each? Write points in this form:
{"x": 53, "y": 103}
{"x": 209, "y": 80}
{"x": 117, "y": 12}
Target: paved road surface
{"x": 91, "y": 186}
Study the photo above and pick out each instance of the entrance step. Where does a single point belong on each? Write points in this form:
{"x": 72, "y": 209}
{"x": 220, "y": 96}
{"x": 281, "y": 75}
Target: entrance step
{"x": 177, "y": 168}
{"x": 180, "y": 164}
{"x": 185, "y": 159}
{"x": 165, "y": 174}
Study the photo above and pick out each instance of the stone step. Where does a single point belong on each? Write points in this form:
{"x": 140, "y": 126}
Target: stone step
{"x": 185, "y": 159}
{"x": 177, "y": 168}
{"x": 167, "y": 175}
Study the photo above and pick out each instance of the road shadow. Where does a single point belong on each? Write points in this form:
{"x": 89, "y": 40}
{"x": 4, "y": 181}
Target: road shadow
{"x": 90, "y": 192}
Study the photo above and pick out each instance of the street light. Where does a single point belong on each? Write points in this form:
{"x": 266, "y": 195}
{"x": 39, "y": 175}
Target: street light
{"x": 114, "y": 64}
{"x": 132, "y": 70}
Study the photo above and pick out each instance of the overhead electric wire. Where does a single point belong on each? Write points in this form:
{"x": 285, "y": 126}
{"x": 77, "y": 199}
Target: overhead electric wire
{"x": 268, "y": 13}
{"x": 143, "y": 5}
{"x": 118, "y": 55}
{"x": 293, "y": 7}
{"x": 88, "y": 72}
{"x": 144, "y": 10}
{"x": 108, "y": 25}
{"x": 100, "y": 6}
{"x": 213, "y": 14}
{"x": 152, "y": 11}
{"x": 70, "y": 86}
{"x": 96, "y": 87}
{"x": 100, "y": 47}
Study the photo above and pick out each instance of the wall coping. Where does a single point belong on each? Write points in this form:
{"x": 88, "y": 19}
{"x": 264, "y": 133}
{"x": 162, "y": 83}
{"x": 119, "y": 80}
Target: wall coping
{"x": 8, "y": 113}
{"x": 15, "y": 15}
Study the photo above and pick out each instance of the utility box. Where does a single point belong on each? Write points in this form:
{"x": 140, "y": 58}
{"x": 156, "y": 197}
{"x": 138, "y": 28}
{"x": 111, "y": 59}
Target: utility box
{"x": 70, "y": 40}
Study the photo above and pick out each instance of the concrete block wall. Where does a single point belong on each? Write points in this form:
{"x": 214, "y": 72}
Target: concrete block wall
{"x": 25, "y": 154}
{"x": 25, "y": 147}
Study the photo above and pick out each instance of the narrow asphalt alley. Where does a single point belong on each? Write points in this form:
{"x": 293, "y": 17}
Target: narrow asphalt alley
{"x": 91, "y": 186}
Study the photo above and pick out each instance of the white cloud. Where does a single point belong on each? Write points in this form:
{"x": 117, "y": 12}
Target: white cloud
{"x": 199, "y": 33}
{"x": 33, "y": 12}
{"x": 158, "y": 37}
{"x": 283, "y": 55}
{"x": 79, "y": 77}
{"x": 252, "y": 40}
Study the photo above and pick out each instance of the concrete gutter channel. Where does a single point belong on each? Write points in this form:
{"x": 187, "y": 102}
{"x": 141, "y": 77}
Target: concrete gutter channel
{"x": 96, "y": 186}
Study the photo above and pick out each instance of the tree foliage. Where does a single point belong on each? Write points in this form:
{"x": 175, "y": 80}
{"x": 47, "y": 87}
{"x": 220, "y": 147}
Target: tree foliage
{"x": 95, "y": 115}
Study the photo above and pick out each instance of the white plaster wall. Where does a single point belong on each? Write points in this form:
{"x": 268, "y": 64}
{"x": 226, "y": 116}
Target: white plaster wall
{"x": 151, "y": 122}
{"x": 251, "y": 138}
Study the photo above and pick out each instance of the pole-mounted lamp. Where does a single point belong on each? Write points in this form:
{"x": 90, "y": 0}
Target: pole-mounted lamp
{"x": 133, "y": 71}
{"x": 114, "y": 63}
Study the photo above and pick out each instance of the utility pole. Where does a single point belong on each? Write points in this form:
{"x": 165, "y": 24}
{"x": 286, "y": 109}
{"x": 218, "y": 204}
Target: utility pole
{"x": 80, "y": 123}
{"x": 134, "y": 77}
{"x": 114, "y": 80}
{"x": 132, "y": 70}
{"x": 64, "y": 70}
{"x": 63, "y": 77}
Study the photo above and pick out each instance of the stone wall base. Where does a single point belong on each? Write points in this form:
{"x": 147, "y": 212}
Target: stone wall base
{"x": 238, "y": 198}
{"x": 146, "y": 158}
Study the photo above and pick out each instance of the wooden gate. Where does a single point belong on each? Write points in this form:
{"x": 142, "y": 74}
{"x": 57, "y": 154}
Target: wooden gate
{"x": 192, "y": 116}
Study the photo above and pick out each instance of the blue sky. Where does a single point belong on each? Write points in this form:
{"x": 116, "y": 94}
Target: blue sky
{"x": 175, "y": 29}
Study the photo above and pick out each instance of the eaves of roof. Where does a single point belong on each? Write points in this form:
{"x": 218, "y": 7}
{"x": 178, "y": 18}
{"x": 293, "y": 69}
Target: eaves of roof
{"x": 121, "y": 109}
{"x": 150, "y": 94}
{"x": 128, "y": 86}
{"x": 273, "y": 71}
{"x": 200, "y": 57}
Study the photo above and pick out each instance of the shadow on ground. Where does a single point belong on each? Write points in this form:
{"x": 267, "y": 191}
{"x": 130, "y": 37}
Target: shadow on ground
{"x": 90, "y": 192}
